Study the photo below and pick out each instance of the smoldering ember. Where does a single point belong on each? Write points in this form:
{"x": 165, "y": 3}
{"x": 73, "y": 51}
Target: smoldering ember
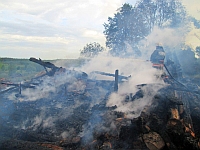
{"x": 70, "y": 109}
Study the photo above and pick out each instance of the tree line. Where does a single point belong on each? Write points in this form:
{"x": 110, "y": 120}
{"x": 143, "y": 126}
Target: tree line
{"x": 131, "y": 24}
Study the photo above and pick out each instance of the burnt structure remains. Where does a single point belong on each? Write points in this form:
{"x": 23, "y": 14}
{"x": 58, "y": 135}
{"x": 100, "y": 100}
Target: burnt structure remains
{"x": 72, "y": 113}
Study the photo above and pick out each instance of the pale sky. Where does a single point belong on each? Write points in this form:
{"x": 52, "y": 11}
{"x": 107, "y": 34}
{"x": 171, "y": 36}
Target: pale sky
{"x": 52, "y": 29}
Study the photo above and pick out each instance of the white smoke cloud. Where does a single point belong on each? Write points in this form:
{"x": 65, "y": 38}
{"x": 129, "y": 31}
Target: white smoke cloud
{"x": 133, "y": 109}
{"x": 167, "y": 37}
{"x": 141, "y": 72}
{"x": 67, "y": 134}
{"x": 109, "y": 64}
{"x": 38, "y": 93}
{"x": 52, "y": 85}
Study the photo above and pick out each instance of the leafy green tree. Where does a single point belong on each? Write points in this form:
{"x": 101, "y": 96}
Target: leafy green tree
{"x": 162, "y": 13}
{"x": 118, "y": 29}
{"x": 91, "y": 50}
{"x": 132, "y": 24}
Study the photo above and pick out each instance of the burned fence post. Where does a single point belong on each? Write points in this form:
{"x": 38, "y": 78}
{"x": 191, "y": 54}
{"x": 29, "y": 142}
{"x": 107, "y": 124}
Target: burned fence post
{"x": 20, "y": 88}
{"x": 116, "y": 80}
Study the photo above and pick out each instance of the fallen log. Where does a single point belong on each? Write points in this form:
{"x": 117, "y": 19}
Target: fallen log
{"x": 42, "y": 63}
{"x": 46, "y": 65}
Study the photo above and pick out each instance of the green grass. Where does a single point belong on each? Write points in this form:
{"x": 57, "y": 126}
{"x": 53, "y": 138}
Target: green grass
{"x": 22, "y": 69}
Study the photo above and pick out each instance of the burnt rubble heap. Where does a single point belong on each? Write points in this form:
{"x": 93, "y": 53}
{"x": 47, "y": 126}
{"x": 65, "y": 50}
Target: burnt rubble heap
{"x": 63, "y": 109}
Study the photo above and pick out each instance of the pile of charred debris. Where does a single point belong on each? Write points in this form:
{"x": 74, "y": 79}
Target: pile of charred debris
{"x": 48, "y": 113}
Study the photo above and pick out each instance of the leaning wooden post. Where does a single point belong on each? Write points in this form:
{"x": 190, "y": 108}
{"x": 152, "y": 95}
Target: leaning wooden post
{"x": 116, "y": 80}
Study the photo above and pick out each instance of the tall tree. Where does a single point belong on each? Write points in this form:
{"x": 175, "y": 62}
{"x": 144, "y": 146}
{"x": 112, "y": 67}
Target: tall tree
{"x": 91, "y": 50}
{"x": 117, "y": 30}
{"x": 132, "y": 24}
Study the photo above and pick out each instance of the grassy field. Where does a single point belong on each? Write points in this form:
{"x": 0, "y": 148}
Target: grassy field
{"x": 17, "y": 70}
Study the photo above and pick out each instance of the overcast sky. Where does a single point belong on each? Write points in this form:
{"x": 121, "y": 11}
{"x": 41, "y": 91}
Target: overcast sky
{"x": 52, "y": 29}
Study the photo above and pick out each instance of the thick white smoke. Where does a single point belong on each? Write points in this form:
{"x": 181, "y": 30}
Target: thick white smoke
{"x": 167, "y": 37}
{"x": 51, "y": 85}
{"x": 133, "y": 109}
{"x": 139, "y": 71}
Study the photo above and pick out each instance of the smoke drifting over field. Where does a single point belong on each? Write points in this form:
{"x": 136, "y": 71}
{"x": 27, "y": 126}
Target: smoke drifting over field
{"x": 61, "y": 101}
{"x": 139, "y": 71}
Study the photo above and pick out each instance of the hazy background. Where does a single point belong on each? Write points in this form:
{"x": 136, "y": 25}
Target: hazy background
{"x": 52, "y": 29}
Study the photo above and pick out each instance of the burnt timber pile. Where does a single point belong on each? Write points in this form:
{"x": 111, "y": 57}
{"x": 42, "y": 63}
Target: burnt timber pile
{"x": 77, "y": 117}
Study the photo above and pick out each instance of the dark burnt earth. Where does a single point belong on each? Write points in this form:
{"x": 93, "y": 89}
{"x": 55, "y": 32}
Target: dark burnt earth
{"x": 78, "y": 118}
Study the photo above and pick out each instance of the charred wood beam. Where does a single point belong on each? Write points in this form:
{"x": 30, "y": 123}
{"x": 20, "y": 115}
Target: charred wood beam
{"x": 120, "y": 77}
{"x": 18, "y": 85}
{"x": 175, "y": 86}
{"x": 46, "y": 69}
{"x": 39, "y": 76}
{"x": 46, "y": 65}
{"x": 42, "y": 63}
{"x": 7, "y": 90}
